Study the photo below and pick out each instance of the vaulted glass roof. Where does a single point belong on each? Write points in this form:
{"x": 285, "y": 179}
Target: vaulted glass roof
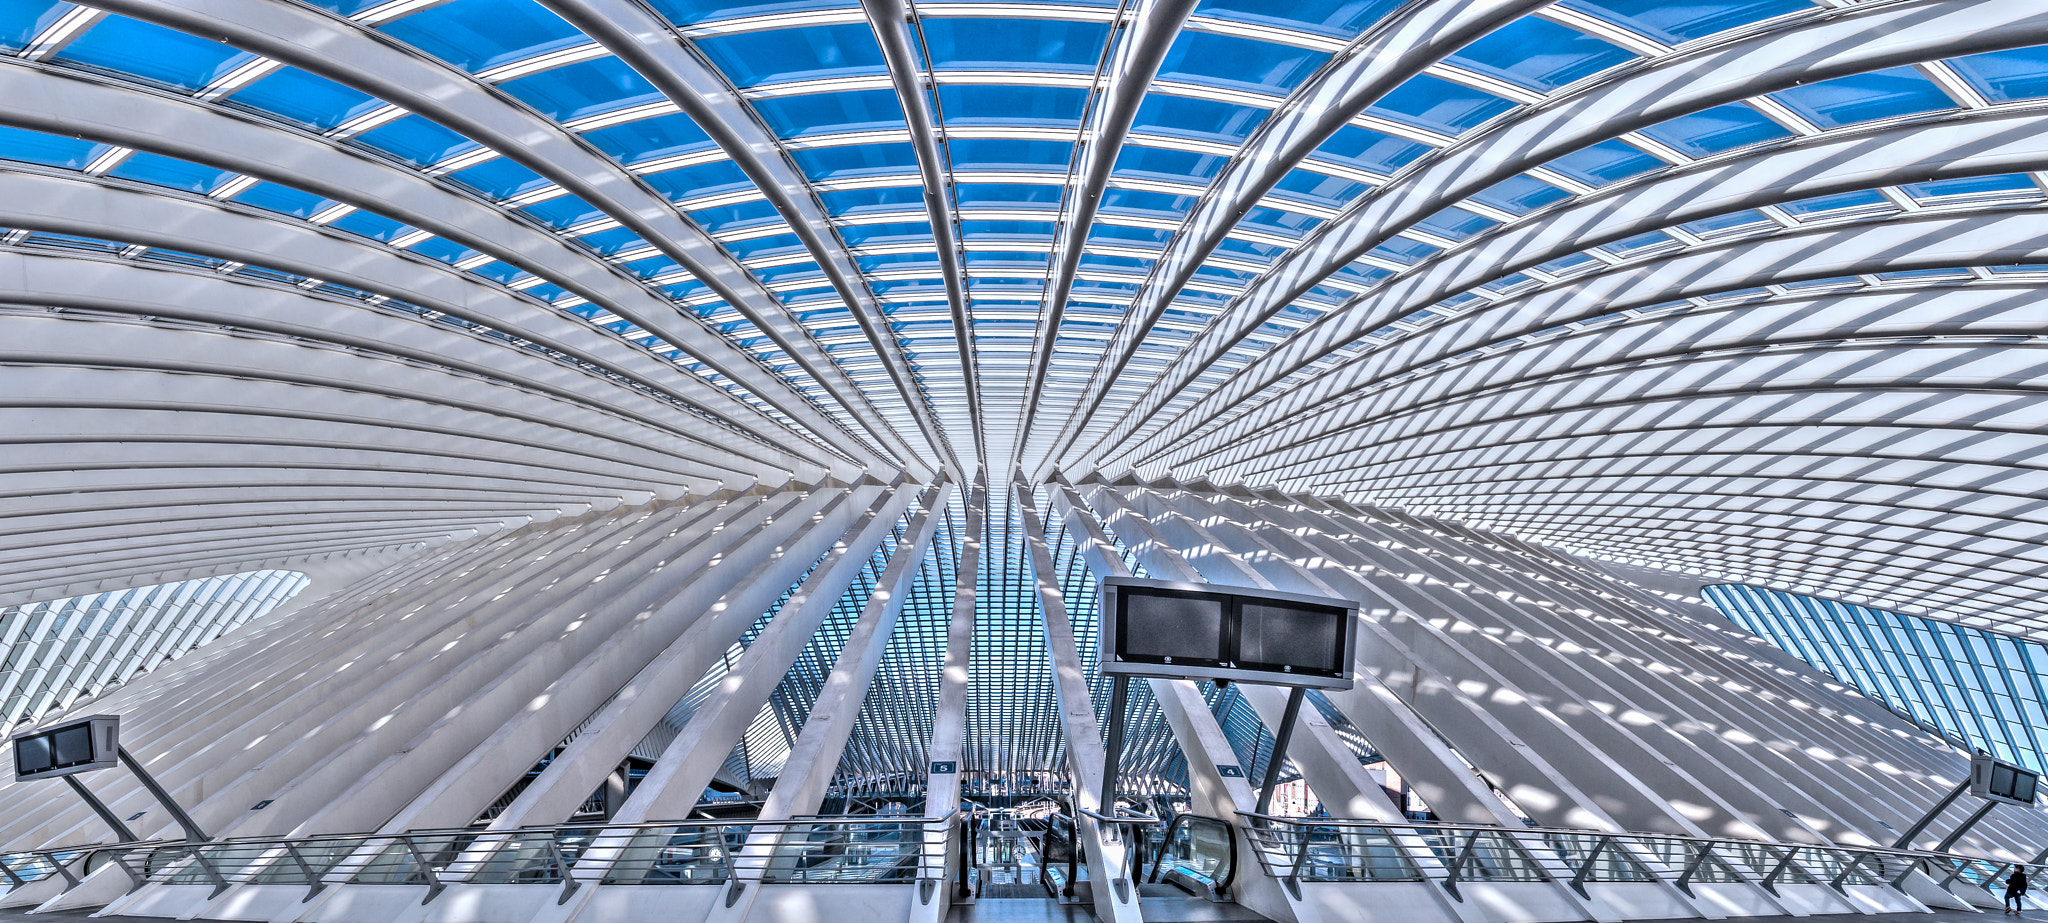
{"x": 1722, "y": 285}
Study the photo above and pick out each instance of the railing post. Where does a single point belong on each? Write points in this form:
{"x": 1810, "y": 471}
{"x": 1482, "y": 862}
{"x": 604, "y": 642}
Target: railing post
{"x": 1770, "y": 882}
{"x": 1699, "y": 861}
{"x": 1585, "y": 869}
{"x": 434, "y": 884}
{"x": 1848, "y": 870}
{"x": 313, "y": 883}
{"x": 220, "y": 882}
{"x": 1457, "y": 866}
{"x": 1899, "y": 882}
{"x": 11, "y": 876}
{"x": 569, "y": 882}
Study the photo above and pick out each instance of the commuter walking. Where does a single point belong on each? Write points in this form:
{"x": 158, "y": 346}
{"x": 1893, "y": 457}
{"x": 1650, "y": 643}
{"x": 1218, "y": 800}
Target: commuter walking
{"x": 2015, "y": 888}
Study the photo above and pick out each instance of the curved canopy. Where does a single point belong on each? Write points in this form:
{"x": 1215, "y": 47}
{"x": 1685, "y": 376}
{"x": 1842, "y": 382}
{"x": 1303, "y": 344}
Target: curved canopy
{"x": 1748, "y": 287}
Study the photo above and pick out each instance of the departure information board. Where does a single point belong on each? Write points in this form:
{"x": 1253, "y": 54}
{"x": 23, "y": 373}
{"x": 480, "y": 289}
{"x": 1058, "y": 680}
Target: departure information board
{"x": 77, "y": 746}
{"x": 1209, "y": 631}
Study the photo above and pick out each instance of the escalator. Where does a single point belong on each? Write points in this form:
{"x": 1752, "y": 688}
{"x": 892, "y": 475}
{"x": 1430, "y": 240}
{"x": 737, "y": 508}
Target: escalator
{"x": 1190, "y": 878}
{"x": 1031, "y": 870}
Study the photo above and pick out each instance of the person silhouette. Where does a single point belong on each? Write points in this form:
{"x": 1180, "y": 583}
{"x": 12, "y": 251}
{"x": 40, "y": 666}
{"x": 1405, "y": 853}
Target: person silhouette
{"x": 2016, "y": 888}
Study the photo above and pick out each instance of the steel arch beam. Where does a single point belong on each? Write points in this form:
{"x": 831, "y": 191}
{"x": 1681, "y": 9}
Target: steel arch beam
{"x": 1847, "y": 42}
{"x": 87, "y": 106}
{"x": 650, "y": 46}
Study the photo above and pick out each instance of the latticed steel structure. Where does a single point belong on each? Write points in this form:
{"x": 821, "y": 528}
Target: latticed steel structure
{"x": 717, "y": 399}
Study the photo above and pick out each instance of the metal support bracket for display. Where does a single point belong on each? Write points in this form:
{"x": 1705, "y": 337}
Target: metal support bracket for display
{"x": 1905, "y": 840}
{"x": 1281, "y": 736}
{"x": 98, "y": 807}
{"x": 1965, "y": 828}
{"x": 192, "y": 831}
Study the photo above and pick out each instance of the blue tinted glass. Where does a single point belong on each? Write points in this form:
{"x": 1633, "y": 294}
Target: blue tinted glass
{"x": 727, "y": 217}
{"x": 1603, "y": 163}
{"x": 562, "y": 211}
{"x": 22, "y": 20}
{"x": 310, "y": 100}
{"x": 1973, "y": 186}
{"x": 499, "y": 178}
{"x": 1708, "y": 227}
{"x": 578, "y": 90}
{"x": 1520, "y": 194}
{"x": 825, "y": 113}
{"x": 904, "y": 262}
{"x": 1371, "y": 150}
{"x": 616, "y": 240}
{"x": 152, "y": 53}
{"x": 1149, "y": 204}
{"x": 168, "y": 171}
{"x": 780, "y": 55}
{"x": 1169, "y": 164}
{"x": 1404, "y": 251}
{"x": 1863, "y": 198}
{"x": 1439, "y": 105}
{"x": 762, "y": 246}
{"x": 1721, "y": 128}
{"x": 827, "y": 162}
{"x": 1008, "y": 195}
{"x": 1639, "y": 244}
{"x": 345, "y": 7}
{"x": 294, "y": 202}
{"x": 1012, "y": 105}
{"x": 1455, "y": 224}
{"x": 499, "y": 271}
{"x": 1320, "y": 188}
{"x": 1197, "y": 118}
{"x": 1006, "y": 230}
{"x": 416, "y": 140}
{"x": 1864, "y": 97}
{"x": 701, "y": 180}
{"x": 1275, "y": 221}
{"x": 1673, "y": 23}
{"x": 2007, "y": 76}
{"x": 647, "y": 139}
{"x": 1014, "y": 44}
{"x": 477, "y": 35}
{"x": 50, "y": 150}
{"x": 369, "y": 224}
{"x": 686, "y": 12}
{"x": 898, "y": 232}
{"x": 443, "y": 249}
{"x": 997, "y": 154}
{"x": 1330, "y": 17}
{"x": 1539, "y": 54}
{"x": 1226, "y": 60}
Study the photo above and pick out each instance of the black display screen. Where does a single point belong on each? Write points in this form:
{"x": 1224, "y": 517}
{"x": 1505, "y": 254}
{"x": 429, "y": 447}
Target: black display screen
{"x": 1190, "y": 628}
{"x": 66, "y": 747}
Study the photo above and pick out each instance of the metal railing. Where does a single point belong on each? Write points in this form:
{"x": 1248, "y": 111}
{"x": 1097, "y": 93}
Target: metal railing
{"x": 862, "y": 849}
{"x": 1297, "y": 849}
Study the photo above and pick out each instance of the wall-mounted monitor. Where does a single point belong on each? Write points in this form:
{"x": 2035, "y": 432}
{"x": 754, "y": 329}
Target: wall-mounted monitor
{"x": 1241, "y": 634}
{"x": 75, "y": 746}
{"x": 2002, "y": 781}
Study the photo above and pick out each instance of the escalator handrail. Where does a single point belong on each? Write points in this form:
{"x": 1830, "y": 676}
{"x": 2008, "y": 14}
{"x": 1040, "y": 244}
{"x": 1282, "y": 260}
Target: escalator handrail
{"x": 1229, "y": 836}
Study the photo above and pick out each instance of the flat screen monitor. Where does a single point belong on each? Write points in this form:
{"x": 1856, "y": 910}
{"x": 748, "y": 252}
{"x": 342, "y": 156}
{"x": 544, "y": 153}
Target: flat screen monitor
{"x": 77, "y": 746}
{"x": 1998, "y": 780}
{"x": 1211, "y": 631}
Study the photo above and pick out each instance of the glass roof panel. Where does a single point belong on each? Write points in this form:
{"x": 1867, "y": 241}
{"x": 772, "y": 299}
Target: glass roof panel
{"x": 477, "y": 35}
{"x": 1201, "y": 119}
{"x": 981, "y": 104}
{"x": 578, "y": 90}
{"x": 1004, "y": 154}
{"x": 1344, "y": 18}
{"x": 830, "y": 113}
{"x": 1370, "y": 150}
{"x": 1520, "y": 194}
{"x": 1843, "y": 201}
{"x": 763, "y": 246}
{"x": 1059, "y": 45}
{"x": 50, "y": 150}
{"x": 877, "y": 233}
{"x": 1240, "y": 63}
{"x": 443, "y": 249}
{"x": 563, "y": 211}
{"x": 1134, "y": 161}
{"x": 1455, "y": 223}
{"x": 371, "y": 225}
{"x": 1857, "y": 98}
{"x": 308, "y": 99}
{"x": 1319, "y": 188}
{"x": 733, "y": 217}
{"x": 1674, "y": 23}
{"x": 294, "y": 202}
{"x": 2007, "y": 76}
{"x": 152, "y": 53}
{"x": 1006, "y": 230}
{"x": 499, "y": 178}
{"x": 822, "y": 163}
{"x": 1147, "y": 204}
{"x": 1539, "y": 54}
{"x": 1721, "y": 128}
{"x": 701, "y": 180}
{"x": 688, "y": 12}
{"x": 647, "y": 139}
{"x": 22, "y": 20}
{"x": 1607, "y": 162}
{"x": 1975, "y": 187}
{"x": 1009, "y": 195}
{"x": 1439, "y": 105}
{"x": 780, "y": 55}
{"x": 159, "y": 170}
{"x": 346, "y": 7}
{"x": 417, "y": 140}
{"x": 616, "y": 240}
